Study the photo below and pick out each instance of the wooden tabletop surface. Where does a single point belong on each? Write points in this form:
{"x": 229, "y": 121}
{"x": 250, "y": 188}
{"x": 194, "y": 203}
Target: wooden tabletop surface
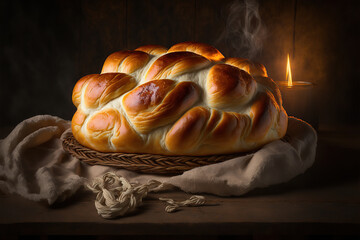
{"x": 324, "y": 200}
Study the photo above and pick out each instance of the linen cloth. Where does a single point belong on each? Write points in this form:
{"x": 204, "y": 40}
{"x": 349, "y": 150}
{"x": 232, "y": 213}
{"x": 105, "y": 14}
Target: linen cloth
{"x": 34, "y": 165}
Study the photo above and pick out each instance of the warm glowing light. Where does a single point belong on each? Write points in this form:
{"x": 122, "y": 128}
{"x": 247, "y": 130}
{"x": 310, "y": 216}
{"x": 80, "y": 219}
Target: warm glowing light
{"x": 288, "y": 72}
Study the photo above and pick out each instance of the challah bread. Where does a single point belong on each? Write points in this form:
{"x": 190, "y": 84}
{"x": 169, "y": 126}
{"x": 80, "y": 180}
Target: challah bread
{"x": 188, "y": 100}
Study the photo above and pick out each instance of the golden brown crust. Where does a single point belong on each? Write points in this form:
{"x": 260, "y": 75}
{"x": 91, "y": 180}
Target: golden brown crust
{"x": 76, "y": 126}
{"x": 102, "y": 88}
{"x": 76, "y": 94}
{"x": 125, "y": 138}
{"x": 78, "y": 118}
{"x": 77, "y": 121}
{"x": 152, "y": 49}
{"x": 189, "y": 101}
{"x": 215, "y": 130}
{"x": 263, "y": 113}
{"x": 271, "y": 86}
{"x": 228, "y": 133}
{"x": 186, "y": 132}
{"x": 104, "y": 127}
{"x": 202, "y": 49}
{"x": 228, "y": 85}
{"x": 213, "y": 120}
{"x": 229, "y": 129}
{"x": 255, "y": 69}
{"x": 158, "y": 103}
{"x": 174, "y": 64}
{"x": 147, "y": 95}
{"x": 100, "y": 128}
{"x": 125, "y": 61}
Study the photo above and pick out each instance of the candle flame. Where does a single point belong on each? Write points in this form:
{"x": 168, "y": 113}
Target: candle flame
{"x": 288, "y": 72}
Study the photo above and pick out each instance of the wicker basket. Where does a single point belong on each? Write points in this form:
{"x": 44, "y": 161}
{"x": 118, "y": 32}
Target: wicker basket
{"x": 144, "y": 163}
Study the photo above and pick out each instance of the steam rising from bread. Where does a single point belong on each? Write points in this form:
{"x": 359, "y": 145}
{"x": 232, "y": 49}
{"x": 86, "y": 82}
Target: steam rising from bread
{"x": 244, "y": 32}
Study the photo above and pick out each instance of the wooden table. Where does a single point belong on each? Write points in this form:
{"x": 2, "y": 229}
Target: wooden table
{"x": 325, "y": 200}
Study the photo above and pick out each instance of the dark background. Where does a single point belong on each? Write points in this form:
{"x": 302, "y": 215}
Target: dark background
{"x": 46, "y": 46}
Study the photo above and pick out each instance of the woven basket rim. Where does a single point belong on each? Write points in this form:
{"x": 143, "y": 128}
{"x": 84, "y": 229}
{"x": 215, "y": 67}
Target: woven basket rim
{"x": 143, "y": 163}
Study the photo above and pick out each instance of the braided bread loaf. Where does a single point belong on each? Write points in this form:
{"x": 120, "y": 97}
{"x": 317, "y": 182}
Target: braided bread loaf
{"x": 188, "y": 100}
